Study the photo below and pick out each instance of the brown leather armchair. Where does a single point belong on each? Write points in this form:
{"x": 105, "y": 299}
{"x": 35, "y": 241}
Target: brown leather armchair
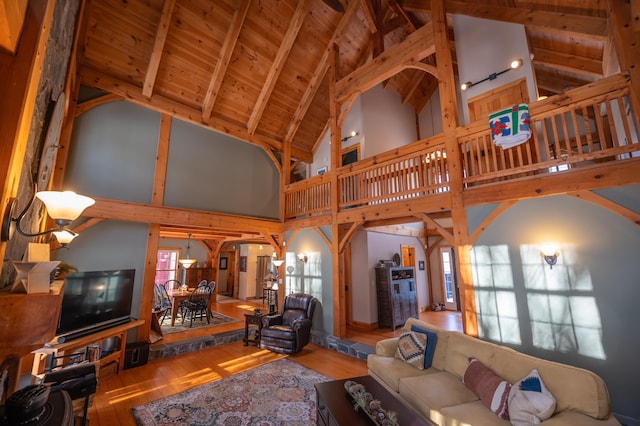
{"x": 289, "y": 331}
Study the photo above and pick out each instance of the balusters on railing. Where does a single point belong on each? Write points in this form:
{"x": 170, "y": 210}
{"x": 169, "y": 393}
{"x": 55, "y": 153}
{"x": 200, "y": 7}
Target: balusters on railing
{"x": 593, "y": 123}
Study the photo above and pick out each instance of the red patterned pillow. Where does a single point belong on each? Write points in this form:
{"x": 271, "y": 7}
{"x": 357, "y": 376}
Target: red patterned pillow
{"x": 492, "y": 389}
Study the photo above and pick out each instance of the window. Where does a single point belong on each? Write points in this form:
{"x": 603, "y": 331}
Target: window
{"x": 167, "y": 265}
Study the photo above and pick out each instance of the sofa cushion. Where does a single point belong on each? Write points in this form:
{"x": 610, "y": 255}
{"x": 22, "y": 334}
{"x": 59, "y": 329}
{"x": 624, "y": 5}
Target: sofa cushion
{"x": 575, "y": 389}
{"x": 492, "y": 389}
{"x": 388, "y": 370}
{"x": 411, "y": 347}
{"x": 440, "y": 352}
{"x": 470, "y": 414}
{"x": 529, "y": 401}
{"x": 461, "y": 347}
{"x": 430, "y": 393}
{"x": 432, "y": 339}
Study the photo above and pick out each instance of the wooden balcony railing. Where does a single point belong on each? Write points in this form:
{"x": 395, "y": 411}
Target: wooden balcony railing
{"x": 594, "y": 123}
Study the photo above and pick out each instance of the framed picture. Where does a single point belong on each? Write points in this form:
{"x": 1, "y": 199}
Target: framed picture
{"x": 322, "y": 170}
{"x": 223, "y": 263}
{"x": 421, "y": 265}
{"x": 243, "y": 264}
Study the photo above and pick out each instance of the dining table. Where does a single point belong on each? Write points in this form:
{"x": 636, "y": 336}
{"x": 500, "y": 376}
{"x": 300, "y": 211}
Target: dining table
{"x": 177, "y": 295}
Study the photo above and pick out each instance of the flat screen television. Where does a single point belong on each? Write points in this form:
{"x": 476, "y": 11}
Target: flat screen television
{"x": 94, "y": 301}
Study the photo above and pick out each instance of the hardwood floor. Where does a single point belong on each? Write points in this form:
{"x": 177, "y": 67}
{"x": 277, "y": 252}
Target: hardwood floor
{"x": 163, "y": 377}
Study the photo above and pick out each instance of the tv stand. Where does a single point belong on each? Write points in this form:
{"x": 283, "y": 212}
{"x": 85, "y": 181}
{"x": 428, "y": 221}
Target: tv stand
{"x": 108, "y": 364}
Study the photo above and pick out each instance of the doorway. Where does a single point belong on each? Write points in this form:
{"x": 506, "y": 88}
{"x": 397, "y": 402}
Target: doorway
{"x": 448, "y": 278}
{"x": 408, "y": 255}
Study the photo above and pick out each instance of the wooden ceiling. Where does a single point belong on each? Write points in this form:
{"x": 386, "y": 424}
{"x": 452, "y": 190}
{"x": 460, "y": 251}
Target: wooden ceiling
{"x": 257, "y": 70}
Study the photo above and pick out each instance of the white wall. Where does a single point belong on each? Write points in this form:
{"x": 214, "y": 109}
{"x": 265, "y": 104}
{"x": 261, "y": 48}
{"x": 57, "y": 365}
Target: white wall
{"x": 484, "y": 47}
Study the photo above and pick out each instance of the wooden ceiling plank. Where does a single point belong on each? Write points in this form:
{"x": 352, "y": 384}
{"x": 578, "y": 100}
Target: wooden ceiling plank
{"x": 397, "y": 8}
{"x": 158, "y": 48}
{"x": 568, "y": 62}
{"x": 413, "y": 49}
{"x": 318, "y": 75}
{"x": 12, "y": 14}
{"x": 225, "y": 58}
{"x": 278, "y": 64}
{"x": 591, "y": 27}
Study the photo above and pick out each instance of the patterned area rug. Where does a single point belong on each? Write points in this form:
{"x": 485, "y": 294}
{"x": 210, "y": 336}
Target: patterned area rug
{"x": 216, "y": 319}
{"x": 278, "y": 393}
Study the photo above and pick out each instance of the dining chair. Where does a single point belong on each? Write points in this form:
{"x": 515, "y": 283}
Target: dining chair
{"x": 197, "y": 305}
{"x": 172, "y": 284}
{"x": 161, "y": 302}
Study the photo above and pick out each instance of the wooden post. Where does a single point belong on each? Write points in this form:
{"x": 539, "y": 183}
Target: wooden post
{"x": 449, "y": 111}
{"x": 339, "y": 320}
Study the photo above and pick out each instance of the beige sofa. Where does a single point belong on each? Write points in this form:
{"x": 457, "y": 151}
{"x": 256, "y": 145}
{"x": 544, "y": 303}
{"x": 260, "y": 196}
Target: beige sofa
{"x": 438, "y": 395}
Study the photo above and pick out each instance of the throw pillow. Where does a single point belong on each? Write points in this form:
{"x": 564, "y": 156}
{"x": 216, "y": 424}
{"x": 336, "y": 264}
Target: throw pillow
{"x": 432, "y": 338}
{"x": 492, "y": 389}
{"x": 411, "y": 347}
{"x": 530, "y": 402}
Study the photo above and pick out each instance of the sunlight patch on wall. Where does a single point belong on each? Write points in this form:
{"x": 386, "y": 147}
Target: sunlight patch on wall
{"x": 495, "y": 300}
{"x": 306, "y": 276}
{"x": 563, "y": 313}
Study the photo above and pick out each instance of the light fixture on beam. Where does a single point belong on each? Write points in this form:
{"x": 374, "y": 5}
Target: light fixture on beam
{"x": 515, "y": 64}
{"x": 353, "y": 134}
{"x": 63, "y": 206}
{"x": 187, "y": 261}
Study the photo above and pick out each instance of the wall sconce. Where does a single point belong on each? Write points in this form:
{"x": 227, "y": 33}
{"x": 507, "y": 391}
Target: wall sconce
{"x": 550, "y": 254}
{"x": 302, "y": 257}
{"x": 63, "y": 206}
{"x": 515, "y": 64}
{"x": 349, "y": 136}
{"x": 187, "y": 261}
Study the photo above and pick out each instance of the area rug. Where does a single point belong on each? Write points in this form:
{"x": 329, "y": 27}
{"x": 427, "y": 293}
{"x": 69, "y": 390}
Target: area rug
{"x": 216, "y": 319}
{"x": 278, "y": 393}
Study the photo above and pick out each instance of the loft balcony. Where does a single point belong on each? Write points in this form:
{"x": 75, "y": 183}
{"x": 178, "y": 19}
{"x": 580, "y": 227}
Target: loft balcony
{"x": 582, "y": 130}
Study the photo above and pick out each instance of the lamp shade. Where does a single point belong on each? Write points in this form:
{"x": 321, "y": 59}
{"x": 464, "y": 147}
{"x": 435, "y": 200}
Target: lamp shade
{"x": 65, "y": 236}
{"x": 277, "y": 262}
{"x": 187, "y": 263}
{"x": 65, "y": 205}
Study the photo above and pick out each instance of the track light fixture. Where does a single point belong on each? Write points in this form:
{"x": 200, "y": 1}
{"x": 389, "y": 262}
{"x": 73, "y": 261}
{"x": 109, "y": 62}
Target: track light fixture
{"x": 349, "y": 136}
{"x": 515, "y": 64}
{"x": 63, "y": 207}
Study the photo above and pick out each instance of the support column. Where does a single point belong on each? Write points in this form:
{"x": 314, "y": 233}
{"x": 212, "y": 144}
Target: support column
{"x": 449, "y": 112}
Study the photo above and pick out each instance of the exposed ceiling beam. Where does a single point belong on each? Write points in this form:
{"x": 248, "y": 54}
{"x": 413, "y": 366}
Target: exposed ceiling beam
{"x": 278, "y": 64}
{"x": 225, "y": 58}
{"x": 158, "y": 48}
{"x": 411, "y": 50}
{"x": 319, "y": 73}
{"x": 146, "y": 213}
{"x": 584, "y": 26}
{"x": 568, "y": 62}
{"x": 132, "y": 93}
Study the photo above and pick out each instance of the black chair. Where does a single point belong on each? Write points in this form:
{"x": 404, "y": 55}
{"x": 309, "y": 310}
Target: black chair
{"x": 289, "y": 331}
{"x": 172, "y": 284}
{"x": 161, "y": 303}
{"x": 197, "y": 305}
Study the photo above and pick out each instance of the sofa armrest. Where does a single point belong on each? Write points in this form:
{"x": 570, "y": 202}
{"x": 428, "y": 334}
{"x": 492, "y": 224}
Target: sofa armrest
{"x": 387, "y": 347}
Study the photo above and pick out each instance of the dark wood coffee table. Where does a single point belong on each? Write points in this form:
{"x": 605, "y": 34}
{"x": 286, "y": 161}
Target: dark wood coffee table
{"x": 335, "y": 405}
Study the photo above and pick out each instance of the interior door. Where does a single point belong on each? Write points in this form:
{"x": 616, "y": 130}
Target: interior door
{"x": 408, "y": 255}
{"x": 494, "y": 100}
{"x": 447, "y": 276}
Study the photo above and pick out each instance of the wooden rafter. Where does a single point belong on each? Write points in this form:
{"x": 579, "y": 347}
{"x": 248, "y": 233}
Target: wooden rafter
{"x": 94, "y": 78}
{"x": 347, "y": 236}
{"x": 441, "y": 229}
{"x": 225, "y": 57}
{"x": 319, "y": 73}
{"x": 92, "y": 103}
{"x": 501, "y": 208}
{"x": 278, "y": 64}
{"x": 413, "y": 49}
{"x": 566, "y": 24}
{"x": 567, "y": 62}
{"x": 158, "y": 48}
{"x": 592, "y": 197}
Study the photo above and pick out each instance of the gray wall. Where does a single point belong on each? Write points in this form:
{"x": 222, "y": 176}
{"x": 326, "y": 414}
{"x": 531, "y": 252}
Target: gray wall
{"x": 584, "y": 311}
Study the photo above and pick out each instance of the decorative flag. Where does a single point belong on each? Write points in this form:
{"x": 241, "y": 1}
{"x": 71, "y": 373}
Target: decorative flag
{"x": 510, "y": 126}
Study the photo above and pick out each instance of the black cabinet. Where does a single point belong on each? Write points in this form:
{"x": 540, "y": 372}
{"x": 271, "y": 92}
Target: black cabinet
{"x": 397, "y": 295}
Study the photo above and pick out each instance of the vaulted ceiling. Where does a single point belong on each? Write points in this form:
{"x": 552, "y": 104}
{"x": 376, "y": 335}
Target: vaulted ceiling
{"x": 258, "y": 70}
